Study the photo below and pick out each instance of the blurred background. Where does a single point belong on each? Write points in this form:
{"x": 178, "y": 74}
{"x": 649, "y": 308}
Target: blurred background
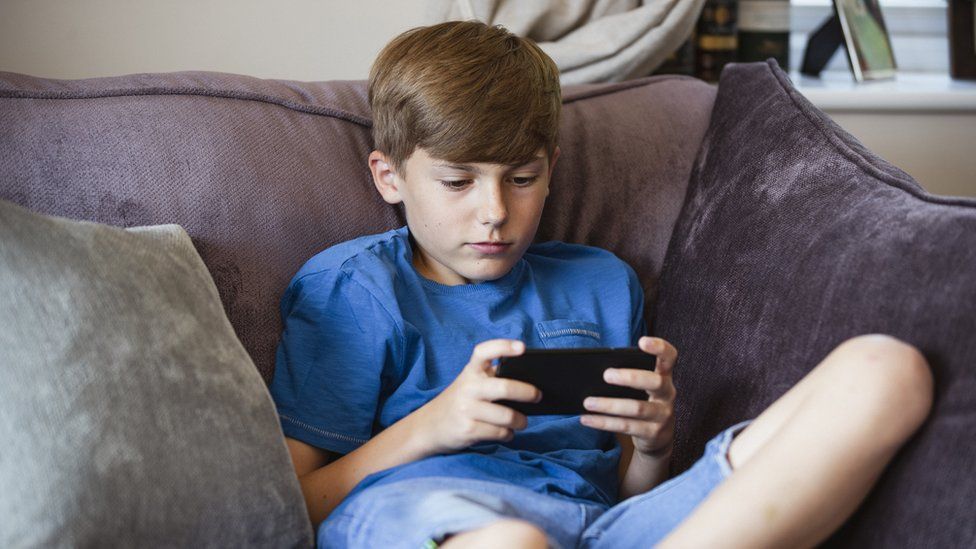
{"x": 923, "y": 120}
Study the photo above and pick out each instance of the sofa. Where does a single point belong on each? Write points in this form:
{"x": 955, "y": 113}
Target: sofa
{"x": 149, "y": 224}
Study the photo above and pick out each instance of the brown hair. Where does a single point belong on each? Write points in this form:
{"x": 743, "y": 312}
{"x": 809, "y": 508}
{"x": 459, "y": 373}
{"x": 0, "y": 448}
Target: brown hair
{"x": 464, "y": 92}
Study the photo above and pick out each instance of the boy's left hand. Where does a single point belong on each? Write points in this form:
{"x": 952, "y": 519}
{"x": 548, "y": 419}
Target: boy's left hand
{"x": 650, "y": 422}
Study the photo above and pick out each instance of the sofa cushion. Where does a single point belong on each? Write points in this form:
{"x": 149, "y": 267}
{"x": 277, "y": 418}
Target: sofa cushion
{"x": 793, "y": 238}
{"x": 263, "y": 174}
{"x": 130, "y": 414}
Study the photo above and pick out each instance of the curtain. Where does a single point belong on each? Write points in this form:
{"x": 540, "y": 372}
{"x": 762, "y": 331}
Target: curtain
{"x": 590, "y": 40}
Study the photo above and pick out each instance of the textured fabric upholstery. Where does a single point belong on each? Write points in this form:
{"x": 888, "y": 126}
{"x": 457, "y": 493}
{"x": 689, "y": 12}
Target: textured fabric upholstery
{"x": 795, "y": 237}
{"x": 263, "y": 173}
{"x": 130, "y": 413}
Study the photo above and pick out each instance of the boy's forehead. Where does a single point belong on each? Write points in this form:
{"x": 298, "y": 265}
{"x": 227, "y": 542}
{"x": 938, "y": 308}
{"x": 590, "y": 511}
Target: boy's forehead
{"x": 475, "y": 166}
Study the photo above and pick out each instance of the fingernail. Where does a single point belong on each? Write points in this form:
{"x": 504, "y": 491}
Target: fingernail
{"x": 609, "y": 374}
{"x": 518, "y": 346}
{"x": 589, "y": 402}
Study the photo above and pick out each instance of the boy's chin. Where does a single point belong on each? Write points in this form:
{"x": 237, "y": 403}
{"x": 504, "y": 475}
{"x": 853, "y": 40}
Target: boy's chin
{"x": 485, "y": 273}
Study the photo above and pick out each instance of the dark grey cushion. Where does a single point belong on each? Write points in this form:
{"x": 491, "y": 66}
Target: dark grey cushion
{"x": 793, "y": 238}
{"x": 263, "y": 174}
{"x": 130, "y": 414}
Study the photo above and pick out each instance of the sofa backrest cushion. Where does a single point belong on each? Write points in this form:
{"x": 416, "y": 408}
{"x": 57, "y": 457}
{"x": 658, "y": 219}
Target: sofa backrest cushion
{"x": 793, "y": 238}
{"x": 263, "y": 174}
{"x": 130, "y": 413}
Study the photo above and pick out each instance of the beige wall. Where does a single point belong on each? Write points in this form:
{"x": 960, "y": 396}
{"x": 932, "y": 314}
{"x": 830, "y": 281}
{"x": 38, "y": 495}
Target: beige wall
{"x": 937, "y": 149}
{"x": 292, "y": 39}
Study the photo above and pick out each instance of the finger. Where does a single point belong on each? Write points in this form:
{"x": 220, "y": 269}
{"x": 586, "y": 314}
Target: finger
{"x": 652, "y": 382}
{"x": 502, "y": 433}
{"x": 626, "y": 426}
{"x": 497, "y": 388}
{"x": 666, "y": 353}
{"x": 500, "y": 416}
{"x": 486, "y": 351}
{"x": 627, "y": 407}
{"x": 481, "y": 430}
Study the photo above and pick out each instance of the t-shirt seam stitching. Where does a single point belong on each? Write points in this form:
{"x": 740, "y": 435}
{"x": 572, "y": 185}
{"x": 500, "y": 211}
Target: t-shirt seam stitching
{"x": 342, "y": 265}
{"x": 396, "y": 326}
{"x": 348, "y": 273}
{"x": 319, "y": 431}
{"x": 401, "y": 337}
{"x": 559, "y": 332}
{"x": 342, "y": 270}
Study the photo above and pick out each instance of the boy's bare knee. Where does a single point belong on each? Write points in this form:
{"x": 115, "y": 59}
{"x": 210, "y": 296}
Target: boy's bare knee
{"x": 504, "y": 533}
{"x": 894, "y": 377}
{"x": 528, "y": 534}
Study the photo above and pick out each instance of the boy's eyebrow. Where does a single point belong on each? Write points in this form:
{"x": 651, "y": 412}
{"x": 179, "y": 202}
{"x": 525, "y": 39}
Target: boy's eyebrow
{"x": 461, "y": 167}
{"x": 475, "y": 169}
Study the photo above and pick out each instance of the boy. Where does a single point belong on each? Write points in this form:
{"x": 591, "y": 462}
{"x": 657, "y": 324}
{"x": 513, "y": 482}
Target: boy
{"x": 384, "y": 379}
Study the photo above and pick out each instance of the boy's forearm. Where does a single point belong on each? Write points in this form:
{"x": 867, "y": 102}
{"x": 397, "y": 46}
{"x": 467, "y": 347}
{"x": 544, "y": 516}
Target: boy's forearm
{"x": 325, "y": 488}
{"x": 643, "y": 473}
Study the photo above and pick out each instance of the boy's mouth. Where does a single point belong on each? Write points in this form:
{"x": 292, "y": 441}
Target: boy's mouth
{"x": 491, "y": 247}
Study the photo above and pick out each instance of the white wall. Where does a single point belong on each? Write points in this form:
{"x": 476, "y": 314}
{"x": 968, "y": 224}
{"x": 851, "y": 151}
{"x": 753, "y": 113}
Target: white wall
{"x": 290, "y": 39}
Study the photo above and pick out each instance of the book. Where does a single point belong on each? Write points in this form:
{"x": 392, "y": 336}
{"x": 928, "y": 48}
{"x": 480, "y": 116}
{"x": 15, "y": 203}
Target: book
{"x": 764, "y": 31}
{"x": 681, "y": 60}
{"x": 962, "y": 39}
{"x": 716, "y": 42}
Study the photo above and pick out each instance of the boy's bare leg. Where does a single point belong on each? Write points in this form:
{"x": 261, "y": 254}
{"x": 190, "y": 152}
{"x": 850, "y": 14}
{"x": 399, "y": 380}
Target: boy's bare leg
{"x": 505, "y": 533}
{"x": 806, "y": 463}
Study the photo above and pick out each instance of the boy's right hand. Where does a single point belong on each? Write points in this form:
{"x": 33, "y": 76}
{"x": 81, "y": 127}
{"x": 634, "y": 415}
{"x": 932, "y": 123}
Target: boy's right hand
{"x": 464, "y": 414}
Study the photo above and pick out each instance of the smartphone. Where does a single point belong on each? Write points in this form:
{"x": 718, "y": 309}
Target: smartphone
{"x": 567, "y": 376}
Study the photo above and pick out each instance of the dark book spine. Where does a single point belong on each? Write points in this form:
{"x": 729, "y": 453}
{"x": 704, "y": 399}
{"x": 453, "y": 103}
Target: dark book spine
{"x": 764, "y": 31}
{"x": 681, "y": 60}
{"x": 716, "y": 40}
{"x": 962, "y": 39}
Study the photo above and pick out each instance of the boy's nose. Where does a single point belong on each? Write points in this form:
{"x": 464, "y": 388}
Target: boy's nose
{"x": 493, "y": 210}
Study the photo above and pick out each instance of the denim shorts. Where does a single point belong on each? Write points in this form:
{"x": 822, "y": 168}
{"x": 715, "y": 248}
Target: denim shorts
{"x": 421, "y": 512}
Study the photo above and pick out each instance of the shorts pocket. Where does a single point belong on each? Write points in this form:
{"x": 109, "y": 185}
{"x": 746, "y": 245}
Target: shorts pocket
{"x": 564, "y": 333}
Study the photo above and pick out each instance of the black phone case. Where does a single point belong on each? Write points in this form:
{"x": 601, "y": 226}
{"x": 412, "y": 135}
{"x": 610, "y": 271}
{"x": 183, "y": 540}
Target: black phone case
{"x": 567, "y": 376}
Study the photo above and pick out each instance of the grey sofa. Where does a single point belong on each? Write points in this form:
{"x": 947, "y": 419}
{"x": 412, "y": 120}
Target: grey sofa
{"x": 762, "y": 233}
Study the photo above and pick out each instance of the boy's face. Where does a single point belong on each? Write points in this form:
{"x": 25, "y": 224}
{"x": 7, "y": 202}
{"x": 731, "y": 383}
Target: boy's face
{"x": 456, "y": 211}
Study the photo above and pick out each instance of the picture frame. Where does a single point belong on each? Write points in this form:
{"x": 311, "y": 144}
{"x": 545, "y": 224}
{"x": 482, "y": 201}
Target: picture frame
{"x": 866, "y": 38}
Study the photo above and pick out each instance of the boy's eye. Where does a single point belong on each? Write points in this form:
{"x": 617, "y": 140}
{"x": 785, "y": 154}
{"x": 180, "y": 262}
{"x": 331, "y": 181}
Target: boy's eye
{"x": 524, "y": 181}
{"x": 455, "y": 184}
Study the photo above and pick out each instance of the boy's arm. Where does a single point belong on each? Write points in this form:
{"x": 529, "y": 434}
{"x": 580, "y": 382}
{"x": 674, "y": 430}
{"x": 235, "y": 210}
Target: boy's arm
{"x": 638, "y": 473}
{"x": 326, "y": 483}
{"x": 461, "y": 415}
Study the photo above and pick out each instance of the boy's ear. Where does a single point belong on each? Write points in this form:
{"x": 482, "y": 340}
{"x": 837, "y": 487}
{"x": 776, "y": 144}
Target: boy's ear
{"x": 384, "y": 177}
{"x": 552, "y": 166}
{"x": 552, "y": 161}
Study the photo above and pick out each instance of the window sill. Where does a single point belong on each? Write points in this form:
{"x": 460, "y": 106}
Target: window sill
{"x": 908, "y": 92}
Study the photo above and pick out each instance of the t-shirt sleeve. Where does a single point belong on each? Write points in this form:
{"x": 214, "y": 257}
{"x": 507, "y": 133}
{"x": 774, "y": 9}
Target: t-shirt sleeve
{"x": 337, "y": 342}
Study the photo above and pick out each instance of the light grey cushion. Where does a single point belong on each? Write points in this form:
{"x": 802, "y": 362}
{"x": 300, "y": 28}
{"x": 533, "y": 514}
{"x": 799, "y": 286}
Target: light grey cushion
{"x": 130, "y": 414}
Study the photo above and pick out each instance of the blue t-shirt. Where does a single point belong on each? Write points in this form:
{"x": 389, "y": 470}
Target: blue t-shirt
{"x": 367, "y": 340}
